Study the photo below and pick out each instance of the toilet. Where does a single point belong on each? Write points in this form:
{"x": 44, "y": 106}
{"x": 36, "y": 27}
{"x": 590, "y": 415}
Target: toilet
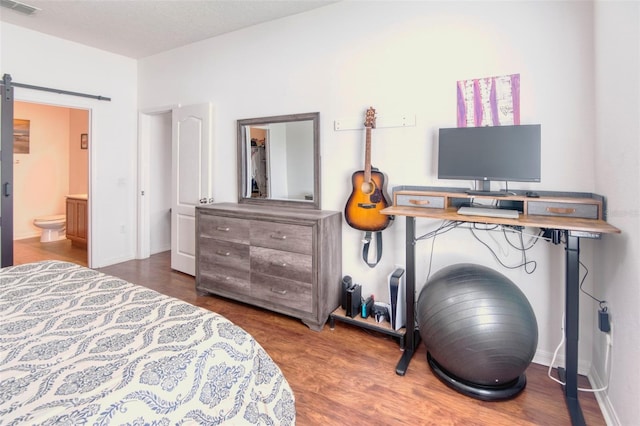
{"x": 53, "y": 227}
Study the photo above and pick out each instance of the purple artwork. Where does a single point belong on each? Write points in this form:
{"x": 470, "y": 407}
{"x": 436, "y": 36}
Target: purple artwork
{"x": 490, "y": 101}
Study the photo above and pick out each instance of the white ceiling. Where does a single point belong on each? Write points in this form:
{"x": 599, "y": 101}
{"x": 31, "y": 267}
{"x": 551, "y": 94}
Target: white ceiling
{"x": 139, "y": 28}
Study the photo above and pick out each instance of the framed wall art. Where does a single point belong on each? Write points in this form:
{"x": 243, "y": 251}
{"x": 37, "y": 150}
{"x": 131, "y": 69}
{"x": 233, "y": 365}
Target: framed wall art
{"x": 21, "y": 135}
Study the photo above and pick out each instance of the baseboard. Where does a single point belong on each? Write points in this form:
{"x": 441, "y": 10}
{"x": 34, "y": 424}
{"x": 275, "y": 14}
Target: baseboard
{"x": 160, "y": 249}
{"x": 26, "y": 236}
{"x": 608, "y": 412}
{"x": 545, "y": 358}
{"x": 112, "y": 261}
{"x": 585, "y": 369}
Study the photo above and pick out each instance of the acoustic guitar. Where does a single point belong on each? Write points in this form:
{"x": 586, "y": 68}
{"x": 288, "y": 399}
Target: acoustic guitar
{"x": 368, "y": 195}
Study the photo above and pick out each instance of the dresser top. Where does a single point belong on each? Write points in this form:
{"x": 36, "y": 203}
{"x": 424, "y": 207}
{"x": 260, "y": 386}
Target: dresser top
{"x": 267, "y": 211}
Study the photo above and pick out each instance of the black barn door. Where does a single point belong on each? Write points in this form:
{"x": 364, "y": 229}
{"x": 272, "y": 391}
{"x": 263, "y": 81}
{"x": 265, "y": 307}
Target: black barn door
{"x": 6, "y": 174}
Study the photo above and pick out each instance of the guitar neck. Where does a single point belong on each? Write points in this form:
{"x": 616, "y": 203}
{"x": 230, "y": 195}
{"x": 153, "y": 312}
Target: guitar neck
{"x": 367, "y": 156}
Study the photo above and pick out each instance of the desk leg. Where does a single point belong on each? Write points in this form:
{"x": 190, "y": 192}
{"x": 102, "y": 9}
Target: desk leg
{"x": 572, "y": 302}
{"x": 412, "y": 338}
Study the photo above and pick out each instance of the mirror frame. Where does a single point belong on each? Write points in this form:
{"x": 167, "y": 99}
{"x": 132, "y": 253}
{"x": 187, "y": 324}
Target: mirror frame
{"x": 242, "y": 157}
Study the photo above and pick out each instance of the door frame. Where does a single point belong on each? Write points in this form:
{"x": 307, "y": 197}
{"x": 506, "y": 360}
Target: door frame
{"x": 62, "y": 100}
{"x": 145, "y": 118}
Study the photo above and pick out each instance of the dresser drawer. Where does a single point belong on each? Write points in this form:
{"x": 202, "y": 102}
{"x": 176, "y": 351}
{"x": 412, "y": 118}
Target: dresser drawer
{"x": 224, "y": 265}
{"x": 224, "y": 228}
{"x": 282, "y": 236}
{"x": 285, "y": 264}
{"x": 283, "y": 292}
{"x": 417, "y": 200}
{"x": 224, "y": 280}
{"x": 233, "y": 258}
{"x": 549, "y": 208}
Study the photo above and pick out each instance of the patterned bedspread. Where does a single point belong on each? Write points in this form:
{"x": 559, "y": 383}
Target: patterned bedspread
{"x": 78, "y": 347}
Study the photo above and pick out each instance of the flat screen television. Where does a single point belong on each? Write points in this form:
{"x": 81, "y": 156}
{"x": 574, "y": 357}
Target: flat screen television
{"x": 494, "y": 153}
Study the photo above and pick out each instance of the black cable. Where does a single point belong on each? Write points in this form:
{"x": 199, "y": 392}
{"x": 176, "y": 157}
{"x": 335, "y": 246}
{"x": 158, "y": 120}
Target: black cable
{"x": 523, "y": 249}
{"x": 533, "y": 243}
{"x": 601, "y": 303}
{"x": 446, "y": 226}
{"x": 524, "y": 263}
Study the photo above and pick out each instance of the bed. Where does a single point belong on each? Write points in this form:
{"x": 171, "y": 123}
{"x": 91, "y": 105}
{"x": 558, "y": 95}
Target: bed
{"x": 80, "y": 347}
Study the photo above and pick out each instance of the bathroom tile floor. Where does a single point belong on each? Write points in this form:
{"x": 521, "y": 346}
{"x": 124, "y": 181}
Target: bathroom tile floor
{"x": 32, "y": 250}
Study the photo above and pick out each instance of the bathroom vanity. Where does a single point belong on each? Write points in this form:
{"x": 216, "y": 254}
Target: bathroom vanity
{"x": 77, "y": 220}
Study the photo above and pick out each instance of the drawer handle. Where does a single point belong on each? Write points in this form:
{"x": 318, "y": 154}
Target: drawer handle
{"x": 282, "y": 292}
{"x": 280, "y": 264}
{"x": 420, "y": 202}
{"x": 223, "y": 228}
{"x": 278, "y": 237}
{"x": 560, "y": 210}
{"x": 223, "y": 253}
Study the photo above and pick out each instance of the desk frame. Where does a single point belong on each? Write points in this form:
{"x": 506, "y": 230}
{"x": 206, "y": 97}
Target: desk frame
{"x": 572, "y": 228}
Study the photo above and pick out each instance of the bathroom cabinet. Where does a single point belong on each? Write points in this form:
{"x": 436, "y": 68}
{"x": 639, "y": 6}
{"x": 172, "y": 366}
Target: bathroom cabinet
{"x": 77, "y": 221}
{"x": 282, "y": 259}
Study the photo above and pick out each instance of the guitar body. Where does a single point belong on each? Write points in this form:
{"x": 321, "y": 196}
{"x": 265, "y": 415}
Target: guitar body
{"x": 362, "y": 210}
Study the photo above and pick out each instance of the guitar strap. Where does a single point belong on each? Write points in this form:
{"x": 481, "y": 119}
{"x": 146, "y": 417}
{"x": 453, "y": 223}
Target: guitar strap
{"x": 365, "y": 248}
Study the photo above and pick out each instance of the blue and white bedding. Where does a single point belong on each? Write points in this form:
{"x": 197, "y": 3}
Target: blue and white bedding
{"x": 79, "y": 347}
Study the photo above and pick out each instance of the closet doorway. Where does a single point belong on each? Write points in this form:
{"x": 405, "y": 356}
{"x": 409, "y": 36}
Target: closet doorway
{"x": 154, "y": 176}
{"x": 174, "y": 166}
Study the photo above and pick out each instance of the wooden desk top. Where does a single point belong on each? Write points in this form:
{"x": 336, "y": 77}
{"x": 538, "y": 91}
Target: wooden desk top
{"x": 538, "y": 221}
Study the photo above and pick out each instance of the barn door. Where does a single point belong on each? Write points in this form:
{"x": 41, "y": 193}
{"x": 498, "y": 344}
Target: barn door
{"x": 6, "y": 173}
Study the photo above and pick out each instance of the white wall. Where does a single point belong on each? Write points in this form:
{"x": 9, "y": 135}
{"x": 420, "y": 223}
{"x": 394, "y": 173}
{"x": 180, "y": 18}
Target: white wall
{"x": 276, "y": 161}
{"x": 405, "y": 57}
{"x": 37, "y": 59}
{"x": 78, "y": 157}
{"x": 617, "y": 168}
{"x": 300, "y": 159}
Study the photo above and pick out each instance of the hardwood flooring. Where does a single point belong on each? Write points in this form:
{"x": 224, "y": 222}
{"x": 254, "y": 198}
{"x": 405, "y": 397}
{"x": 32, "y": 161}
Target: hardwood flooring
{"x": 347, "y": 375}
{"x": 32, "y": 250}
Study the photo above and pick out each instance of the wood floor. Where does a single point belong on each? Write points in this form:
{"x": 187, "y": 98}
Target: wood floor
{"x": 347, "y": 375}
{"x": 32, "y": 250}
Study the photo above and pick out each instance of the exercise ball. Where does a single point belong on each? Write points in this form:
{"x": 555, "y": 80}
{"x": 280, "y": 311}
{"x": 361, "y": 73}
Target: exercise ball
{"x": 479, "y": 330}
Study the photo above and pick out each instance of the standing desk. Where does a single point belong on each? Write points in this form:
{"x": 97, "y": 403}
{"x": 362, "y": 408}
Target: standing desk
{"x": 572, "y": 215}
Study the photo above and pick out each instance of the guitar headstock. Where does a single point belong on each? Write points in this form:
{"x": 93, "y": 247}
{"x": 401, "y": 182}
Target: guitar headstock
{"x": 370, "y": 118}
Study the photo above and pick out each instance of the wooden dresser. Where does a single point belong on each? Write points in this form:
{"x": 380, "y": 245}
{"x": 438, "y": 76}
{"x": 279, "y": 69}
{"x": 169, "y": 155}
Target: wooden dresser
{"x": 282, "y": 259}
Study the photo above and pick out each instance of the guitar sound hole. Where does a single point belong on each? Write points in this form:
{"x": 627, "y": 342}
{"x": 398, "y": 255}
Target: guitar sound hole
{"x": 367, "y": 187}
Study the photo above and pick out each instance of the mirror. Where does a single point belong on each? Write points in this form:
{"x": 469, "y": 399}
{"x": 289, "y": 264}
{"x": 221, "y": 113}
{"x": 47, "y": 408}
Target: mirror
{"x": 279, "y": 160}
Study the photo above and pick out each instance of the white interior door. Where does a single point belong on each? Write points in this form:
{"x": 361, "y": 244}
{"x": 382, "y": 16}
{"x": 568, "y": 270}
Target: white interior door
{"x": 191, "y": 180}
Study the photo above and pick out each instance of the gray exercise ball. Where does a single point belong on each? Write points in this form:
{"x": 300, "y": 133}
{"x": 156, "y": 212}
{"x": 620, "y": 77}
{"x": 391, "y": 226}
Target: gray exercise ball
{"x": 477, "y": 325}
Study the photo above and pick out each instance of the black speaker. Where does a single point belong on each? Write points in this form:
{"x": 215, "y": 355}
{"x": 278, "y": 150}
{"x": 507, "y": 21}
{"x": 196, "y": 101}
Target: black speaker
{"x": 346, "y": 284}
{"x": 354, "y": 300}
